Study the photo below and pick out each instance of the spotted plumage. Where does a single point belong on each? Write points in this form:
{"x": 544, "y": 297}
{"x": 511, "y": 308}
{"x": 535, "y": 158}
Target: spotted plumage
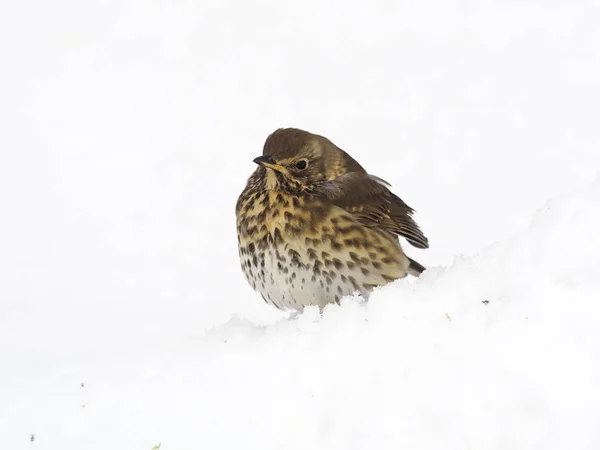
{"x": 314, "y": 226}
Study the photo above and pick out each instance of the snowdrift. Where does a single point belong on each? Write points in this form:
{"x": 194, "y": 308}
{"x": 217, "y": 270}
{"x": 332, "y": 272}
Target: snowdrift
{"x": 497, "y": 351}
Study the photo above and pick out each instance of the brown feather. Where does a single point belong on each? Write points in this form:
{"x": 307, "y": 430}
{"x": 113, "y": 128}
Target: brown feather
{"x": 374, "y": 205}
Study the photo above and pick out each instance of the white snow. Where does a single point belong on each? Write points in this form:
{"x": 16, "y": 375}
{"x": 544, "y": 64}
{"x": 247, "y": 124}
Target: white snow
{"x": 129, "y": 129}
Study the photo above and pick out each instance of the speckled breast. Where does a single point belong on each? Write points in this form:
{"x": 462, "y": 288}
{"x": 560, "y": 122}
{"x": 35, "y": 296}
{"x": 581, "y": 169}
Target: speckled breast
{"x": 297, "y": 251}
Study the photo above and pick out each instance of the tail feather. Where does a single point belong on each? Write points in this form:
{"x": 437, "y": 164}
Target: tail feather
{"x": 414, "y": 268}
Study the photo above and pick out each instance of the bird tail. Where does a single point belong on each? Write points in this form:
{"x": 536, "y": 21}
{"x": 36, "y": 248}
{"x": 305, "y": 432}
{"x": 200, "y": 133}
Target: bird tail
{"x": 414, "y": 268}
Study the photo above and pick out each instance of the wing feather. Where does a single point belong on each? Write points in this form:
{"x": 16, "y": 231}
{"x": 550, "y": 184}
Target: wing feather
{"x": 374, "y": 205}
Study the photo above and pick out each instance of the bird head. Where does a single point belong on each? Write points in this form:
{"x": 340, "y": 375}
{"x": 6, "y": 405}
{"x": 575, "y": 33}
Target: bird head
{"x": 295, "y": 159}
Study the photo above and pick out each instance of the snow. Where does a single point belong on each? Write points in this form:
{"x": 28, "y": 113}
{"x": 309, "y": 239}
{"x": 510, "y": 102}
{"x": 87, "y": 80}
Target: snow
{"x": 129, "y": 129}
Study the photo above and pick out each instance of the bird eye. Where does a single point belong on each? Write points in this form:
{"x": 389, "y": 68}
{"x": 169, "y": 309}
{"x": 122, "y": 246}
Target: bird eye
{"x": 301, "y": 165}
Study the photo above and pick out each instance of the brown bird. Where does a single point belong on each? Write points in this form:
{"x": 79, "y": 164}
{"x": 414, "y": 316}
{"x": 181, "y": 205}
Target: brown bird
{"x": 314, "y": 226}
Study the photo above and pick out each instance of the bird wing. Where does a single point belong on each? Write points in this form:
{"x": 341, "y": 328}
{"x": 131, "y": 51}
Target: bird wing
{"x": 369, "y": 200}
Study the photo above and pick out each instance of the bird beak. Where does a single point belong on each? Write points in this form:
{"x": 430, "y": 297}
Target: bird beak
{"x": 268, "y": 162}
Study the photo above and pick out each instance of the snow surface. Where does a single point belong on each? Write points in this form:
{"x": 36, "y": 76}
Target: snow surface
{"x": 129, "y": 129}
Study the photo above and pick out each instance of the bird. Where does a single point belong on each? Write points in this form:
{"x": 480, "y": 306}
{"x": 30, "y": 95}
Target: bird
{"x": 314, "y": 226}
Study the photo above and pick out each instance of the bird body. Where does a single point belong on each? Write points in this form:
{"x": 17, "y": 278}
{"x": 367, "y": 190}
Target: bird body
{"x": 314, "y": 226}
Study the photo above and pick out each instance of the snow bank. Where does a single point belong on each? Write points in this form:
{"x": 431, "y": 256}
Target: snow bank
{"x": 498, "y": 351}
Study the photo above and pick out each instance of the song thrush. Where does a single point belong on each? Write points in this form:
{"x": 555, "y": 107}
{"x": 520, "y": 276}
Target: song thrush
{"x": 314, "y": 226}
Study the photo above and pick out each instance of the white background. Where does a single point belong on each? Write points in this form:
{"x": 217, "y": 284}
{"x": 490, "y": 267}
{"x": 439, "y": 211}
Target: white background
{"x": 127, "y": 131}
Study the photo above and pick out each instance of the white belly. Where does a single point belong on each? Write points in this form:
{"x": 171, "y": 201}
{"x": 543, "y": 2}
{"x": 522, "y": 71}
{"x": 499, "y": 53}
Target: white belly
{"x": 291, "y": 286}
